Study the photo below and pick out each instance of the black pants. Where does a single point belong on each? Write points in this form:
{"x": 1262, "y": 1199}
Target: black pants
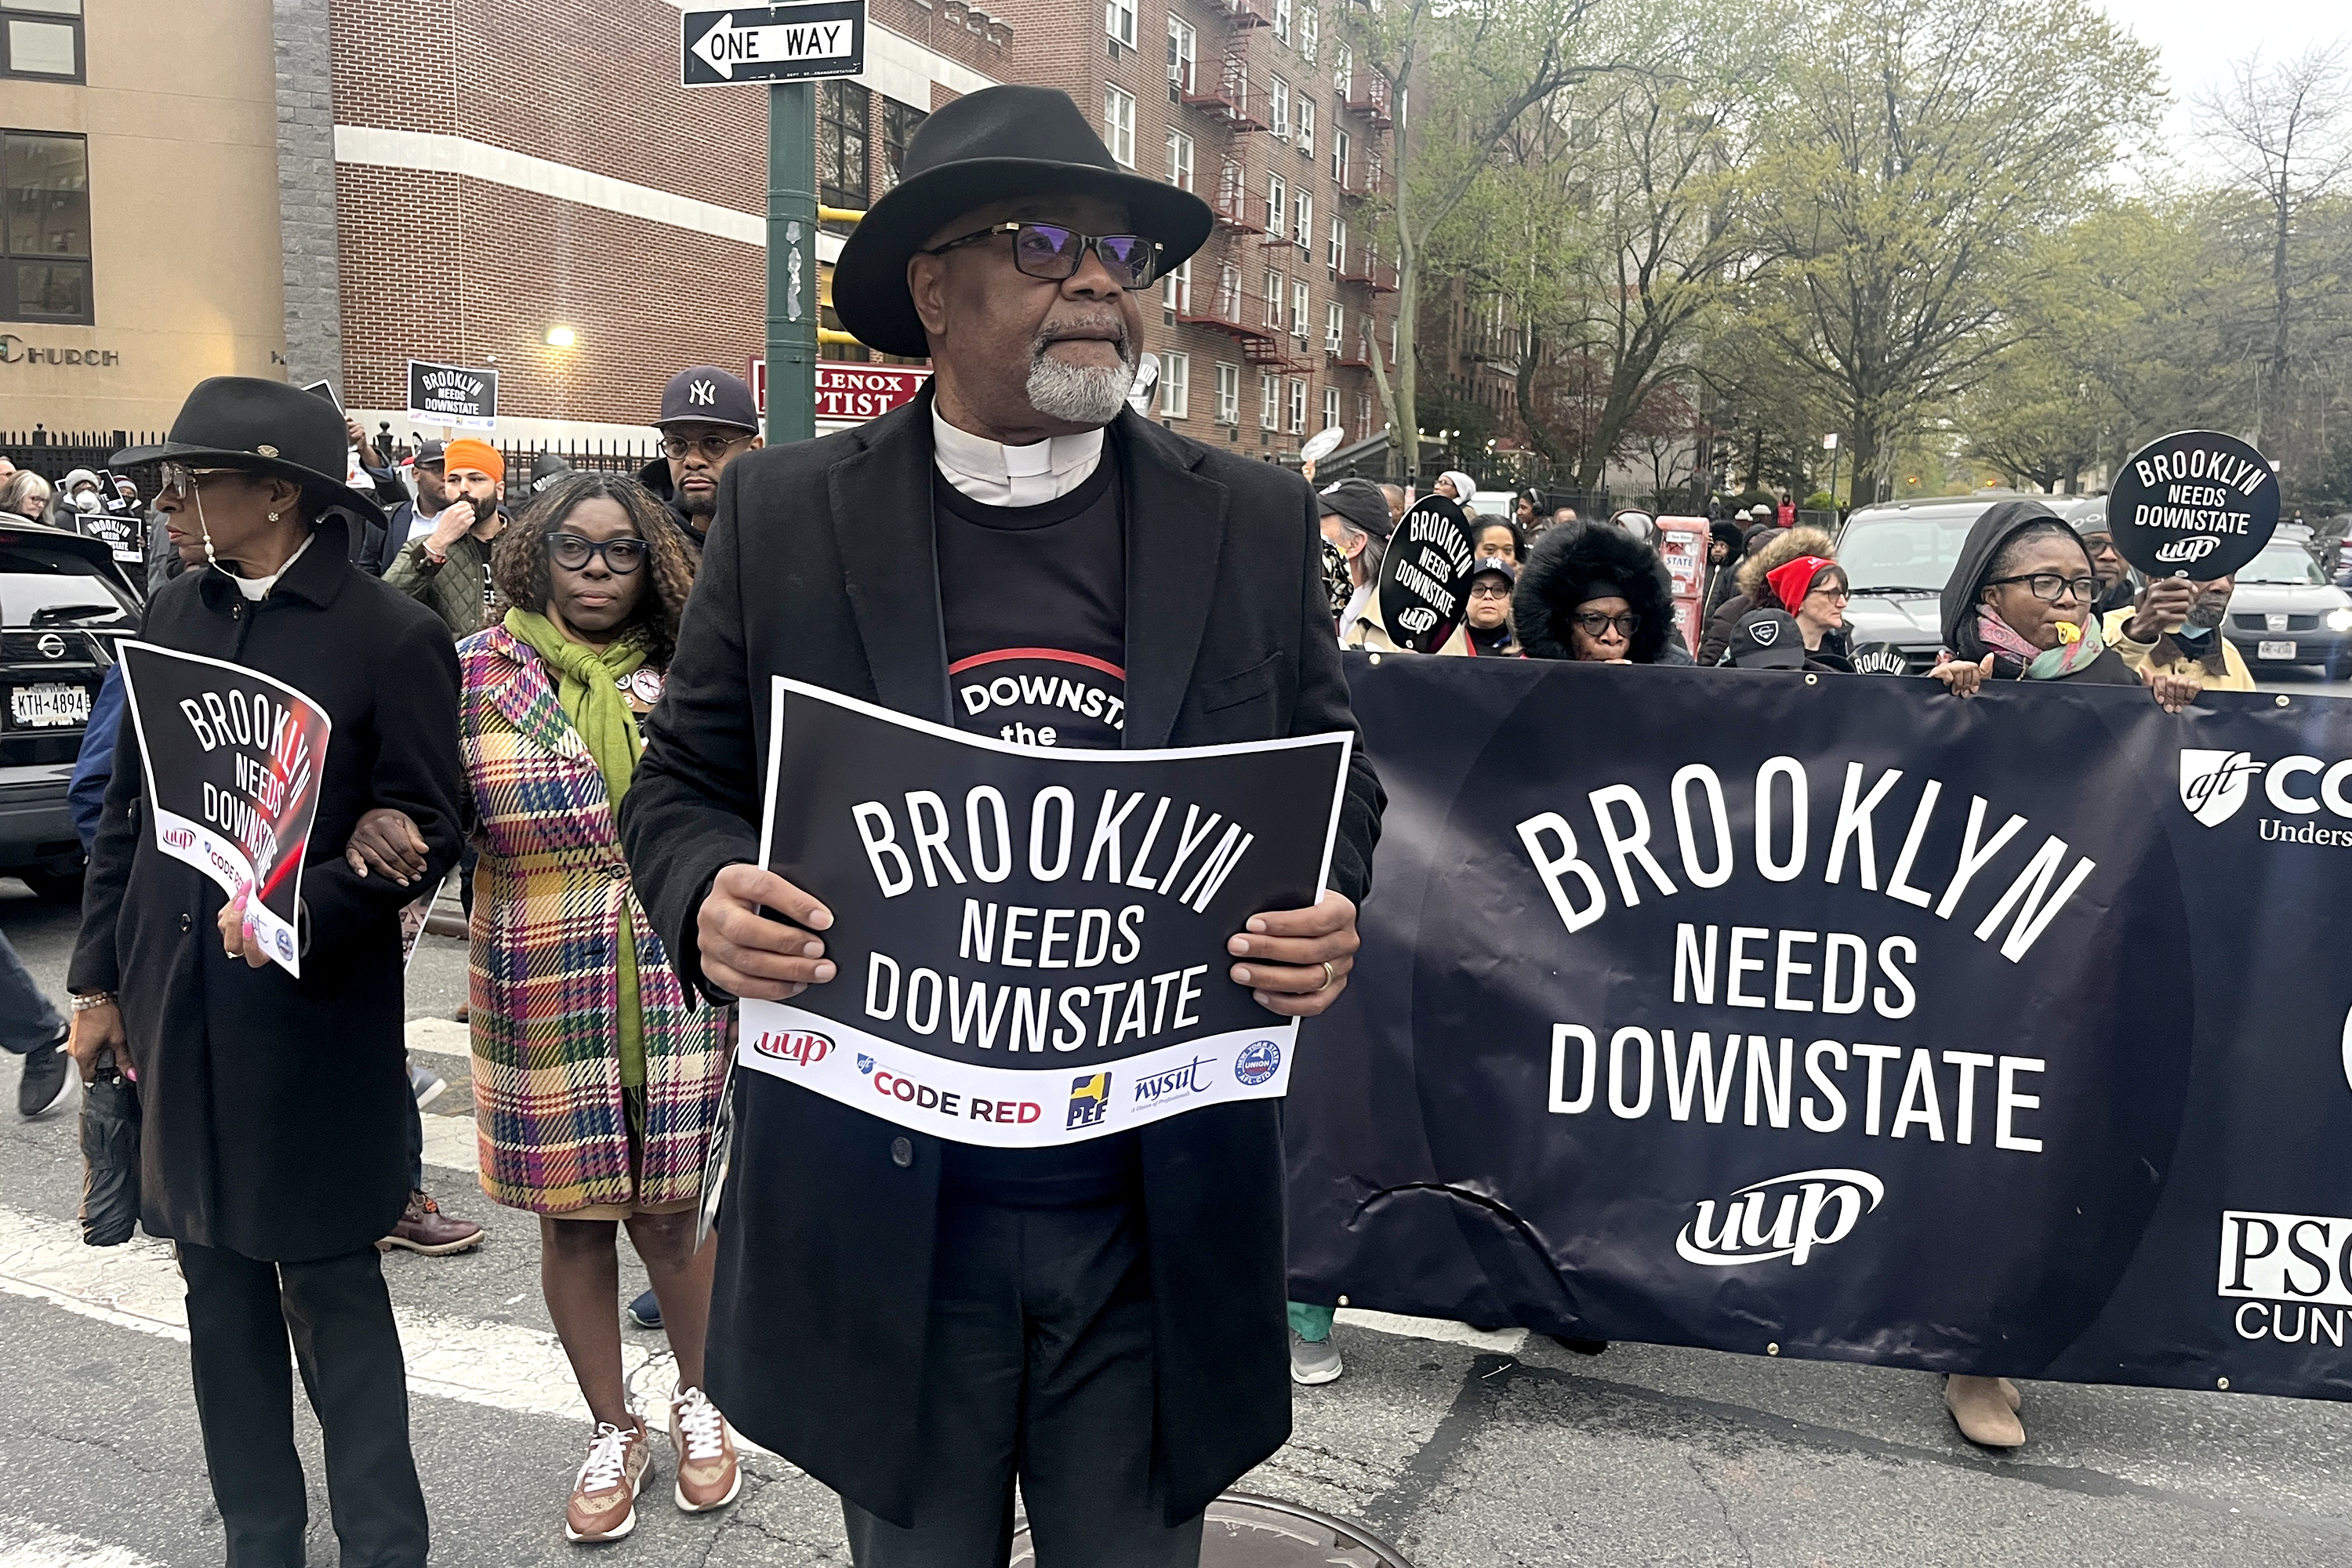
{"x": 241, "y": 1311}
{"x": 1039, "y": 1362}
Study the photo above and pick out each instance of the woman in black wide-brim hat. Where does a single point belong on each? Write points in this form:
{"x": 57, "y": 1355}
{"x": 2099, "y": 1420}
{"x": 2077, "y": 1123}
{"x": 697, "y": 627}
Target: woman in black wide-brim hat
{"x": 274, "y": 1148}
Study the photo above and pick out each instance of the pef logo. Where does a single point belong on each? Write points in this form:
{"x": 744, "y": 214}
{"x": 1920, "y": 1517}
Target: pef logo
{"x": 1259, "y": 1060}
{"x": 2214, "y": 784}
{"x": 1089, "y": 1100}
{"x": 1797, "y": 1223}
{"x": 801, "y": 1046}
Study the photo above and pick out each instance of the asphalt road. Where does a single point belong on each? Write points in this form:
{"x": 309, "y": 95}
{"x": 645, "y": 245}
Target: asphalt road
{"x": 1466, "y": 1450}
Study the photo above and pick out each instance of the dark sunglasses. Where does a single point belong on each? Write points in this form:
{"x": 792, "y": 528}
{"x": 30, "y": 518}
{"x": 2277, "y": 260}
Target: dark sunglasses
{"x": 621, "y": 556}
{"x": 1051, "y": 251}
{"x": 1593, "y": 623}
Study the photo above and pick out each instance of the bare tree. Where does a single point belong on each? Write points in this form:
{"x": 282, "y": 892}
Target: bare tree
{"x": 2286, "y": 132}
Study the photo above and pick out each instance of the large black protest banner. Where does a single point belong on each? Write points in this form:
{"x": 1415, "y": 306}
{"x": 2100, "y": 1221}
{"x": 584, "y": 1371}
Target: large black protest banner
{"x": 233, "y": 762}
{"x": 1843, "y": 1019}
{"x": 1031, "y": 941}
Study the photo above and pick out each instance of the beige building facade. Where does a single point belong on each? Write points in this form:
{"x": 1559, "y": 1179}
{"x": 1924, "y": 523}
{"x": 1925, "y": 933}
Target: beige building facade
{"x": 141, "y": 213}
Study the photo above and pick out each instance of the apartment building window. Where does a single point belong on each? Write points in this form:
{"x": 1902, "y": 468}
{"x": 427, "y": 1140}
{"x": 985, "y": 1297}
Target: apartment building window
{"x": 1334, "y": 338}
{"x": 1180, "y": 160}
{"x": 1278, "y": 205}
{"x": 900, "y": 123}
{"x": 1176, "y": 288}
{"x": 1229, "y": 393}
{"x": 1175, "y": 386}
{"x": 1308, "y": 31}
{"x": 1330, "y": 406}
{"x": 1182, "y": 44}
{"x": 1279, "y": 91}
{"x": 1306, "y": 126}
{"x": 1269, "y": 401}
{"x": 1302, "y": 228}
{"x": 1338, "y": 250}
{"x": 1119, "y": 20}
{"x": 1273, "y": 301}
{"x": 1119, "y": 124}
{"x": 1282, "y": 20}
{"x": 42, "y": 39}
{"x": 1363, "y": 416}
{"x": 1297, "y": 407}
{"x": 844, "y": 177}
{"x": 1301, "y": 308}
{"x": 1343, "y": 66}
{"x": 1339, "y": 151}
{"x": 47, "y": 218}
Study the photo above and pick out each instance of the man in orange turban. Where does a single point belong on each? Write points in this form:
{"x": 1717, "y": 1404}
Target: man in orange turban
{"x": 449, "y": 568}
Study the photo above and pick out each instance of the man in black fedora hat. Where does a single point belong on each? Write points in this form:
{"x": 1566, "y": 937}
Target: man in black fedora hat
{"x": 273, "y": 1147}
{"x": 916, "y": 1322}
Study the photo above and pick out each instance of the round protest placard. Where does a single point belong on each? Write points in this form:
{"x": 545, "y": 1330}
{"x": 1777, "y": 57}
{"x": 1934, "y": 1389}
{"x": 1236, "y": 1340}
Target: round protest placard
{"x": 1426, "y": 575}
{"x": 2198, "y": 504}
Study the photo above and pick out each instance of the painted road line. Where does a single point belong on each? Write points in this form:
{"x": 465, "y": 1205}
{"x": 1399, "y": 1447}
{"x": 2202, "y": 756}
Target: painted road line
{"x": 440, "y": 1035}
{"x": 26, "y": 1544}
{"x": 1502, "y": 1341}
{"x": 450, "y": 1143}
{"x": 137, "y": 1285}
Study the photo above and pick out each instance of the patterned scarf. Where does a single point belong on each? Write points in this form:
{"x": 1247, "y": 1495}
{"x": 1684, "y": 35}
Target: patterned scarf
{"x": 2071, "y": 657}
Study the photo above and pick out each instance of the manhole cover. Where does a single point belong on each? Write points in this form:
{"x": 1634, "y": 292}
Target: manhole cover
{"x": 1245, "y": 1532}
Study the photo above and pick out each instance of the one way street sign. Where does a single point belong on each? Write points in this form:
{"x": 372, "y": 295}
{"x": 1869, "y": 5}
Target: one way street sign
{"x": 774, "y": 43}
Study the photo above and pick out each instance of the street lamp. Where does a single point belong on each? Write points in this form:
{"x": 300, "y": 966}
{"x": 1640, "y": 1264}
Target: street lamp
{"x": 1830, "y": 445}
{"x": 560, "y": 337}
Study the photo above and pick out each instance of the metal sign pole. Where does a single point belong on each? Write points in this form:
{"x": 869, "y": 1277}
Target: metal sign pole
{"x": 791, "y": 261}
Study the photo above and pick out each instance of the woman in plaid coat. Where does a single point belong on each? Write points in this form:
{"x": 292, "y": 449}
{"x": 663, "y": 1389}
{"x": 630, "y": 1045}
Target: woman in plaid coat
{"x": 596, "y": 1076}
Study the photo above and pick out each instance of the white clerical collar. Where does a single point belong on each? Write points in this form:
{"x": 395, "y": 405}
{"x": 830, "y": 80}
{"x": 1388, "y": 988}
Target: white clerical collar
{"x": 257, "y": 588}
{"x": 996, "y": 475}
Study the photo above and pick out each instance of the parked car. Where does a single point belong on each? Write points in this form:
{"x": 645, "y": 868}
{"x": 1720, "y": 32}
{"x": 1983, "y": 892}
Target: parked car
{"x": 2286, "y": 612}
{"x": 63, "y": 603}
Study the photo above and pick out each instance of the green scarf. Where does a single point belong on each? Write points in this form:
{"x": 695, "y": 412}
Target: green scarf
{"x": 588, "y": 686}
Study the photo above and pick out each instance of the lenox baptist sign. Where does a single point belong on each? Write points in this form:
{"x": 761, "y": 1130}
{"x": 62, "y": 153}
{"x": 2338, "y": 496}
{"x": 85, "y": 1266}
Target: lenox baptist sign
{"x": 848, "y": 391}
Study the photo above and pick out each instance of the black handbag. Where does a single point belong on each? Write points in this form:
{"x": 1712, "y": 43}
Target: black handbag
{"x": 110, "y": 1153}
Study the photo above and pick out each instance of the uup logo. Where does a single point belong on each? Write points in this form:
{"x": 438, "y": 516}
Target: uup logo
{"x": 1418, "y": 619}
{"x": 1800, "y": 1221}
{"x": 2196, "y": 547}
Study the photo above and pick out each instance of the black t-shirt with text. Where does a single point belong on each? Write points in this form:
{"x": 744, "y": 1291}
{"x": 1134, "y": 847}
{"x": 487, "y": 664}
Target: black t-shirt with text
{"x": 1034, "y": 602}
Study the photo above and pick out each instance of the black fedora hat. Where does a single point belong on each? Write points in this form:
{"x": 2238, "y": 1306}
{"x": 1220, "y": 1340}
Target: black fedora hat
{"x": 266, "y": 426}
{"x": 988, "y": 147}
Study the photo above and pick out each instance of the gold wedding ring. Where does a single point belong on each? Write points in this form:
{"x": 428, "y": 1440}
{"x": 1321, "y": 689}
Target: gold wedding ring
{"x": 1328, "y": 975}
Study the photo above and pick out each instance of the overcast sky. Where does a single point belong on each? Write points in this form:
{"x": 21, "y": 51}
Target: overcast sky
{"x": 2200, "y": 39}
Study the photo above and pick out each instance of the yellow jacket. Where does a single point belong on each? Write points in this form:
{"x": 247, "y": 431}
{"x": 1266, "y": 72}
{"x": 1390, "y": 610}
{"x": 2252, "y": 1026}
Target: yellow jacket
{"x": 2168, "y": 659}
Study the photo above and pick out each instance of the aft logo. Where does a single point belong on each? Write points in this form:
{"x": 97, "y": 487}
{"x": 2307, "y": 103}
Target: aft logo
{"x": 2213, "y": 783}
{"x": 801, "y": 1046}
{"x": 1807, "y": 1210}
{"x": 2290, "y": 1274}
{"x": 1089, "y": 1100}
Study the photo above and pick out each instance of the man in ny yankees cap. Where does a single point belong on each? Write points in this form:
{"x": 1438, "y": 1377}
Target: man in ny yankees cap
{"x": 708, "y": 420}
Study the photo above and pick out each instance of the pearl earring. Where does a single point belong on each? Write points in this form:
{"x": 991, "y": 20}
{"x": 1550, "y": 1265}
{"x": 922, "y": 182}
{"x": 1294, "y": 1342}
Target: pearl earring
{"x": 273, "y": 517}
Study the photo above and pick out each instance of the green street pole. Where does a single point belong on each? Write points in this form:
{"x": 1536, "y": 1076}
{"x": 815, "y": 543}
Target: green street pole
{"x": 791, "y": 261}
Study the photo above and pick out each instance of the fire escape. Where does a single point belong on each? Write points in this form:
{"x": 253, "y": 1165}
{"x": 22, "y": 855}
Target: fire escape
{"x": 1241, "y": 108}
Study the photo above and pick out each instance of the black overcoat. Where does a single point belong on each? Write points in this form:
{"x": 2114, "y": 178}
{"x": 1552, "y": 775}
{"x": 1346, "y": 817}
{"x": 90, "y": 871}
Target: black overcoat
{"x": 821, "y": 566}
{"x": 275, "y": 1109}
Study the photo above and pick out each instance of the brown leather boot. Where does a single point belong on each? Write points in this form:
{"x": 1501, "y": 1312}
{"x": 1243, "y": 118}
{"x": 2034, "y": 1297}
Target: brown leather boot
{"x": 425, "y": 1229}
{"x": 1982, "y": 1407}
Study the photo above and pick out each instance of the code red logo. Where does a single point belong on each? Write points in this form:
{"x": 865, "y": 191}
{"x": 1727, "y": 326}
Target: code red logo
{"x": 800, "y": 1046}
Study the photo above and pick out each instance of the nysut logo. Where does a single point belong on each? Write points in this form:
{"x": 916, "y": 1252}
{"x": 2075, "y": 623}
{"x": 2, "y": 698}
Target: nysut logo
{"x": 1259, "y": 1060}
{"x": 1089, "y": 1100}
{"x": 1787, "y": 1216}
{"x": 2215, "y": 784}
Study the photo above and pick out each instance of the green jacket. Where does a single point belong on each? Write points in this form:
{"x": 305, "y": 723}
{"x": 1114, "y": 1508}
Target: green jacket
{"x": 456, "y": 591}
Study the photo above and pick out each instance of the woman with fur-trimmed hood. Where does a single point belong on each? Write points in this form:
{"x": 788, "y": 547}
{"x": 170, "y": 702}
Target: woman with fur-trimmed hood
{"x": 1764, "y": 556}
{"x": 1593, "y": 591}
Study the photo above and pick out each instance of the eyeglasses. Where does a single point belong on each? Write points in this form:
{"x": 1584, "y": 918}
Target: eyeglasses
{"x": 1490, "y": 590}
{"x": 180, "y": 479}
{"x": 2050, "y": 588}
{"x": 1592, "y": 623}
{"x": 1839, "y": 595}
{"x": 711, "y": 447}
{"x": 571, "y": 551}
{"x": 1051, "y": 251}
